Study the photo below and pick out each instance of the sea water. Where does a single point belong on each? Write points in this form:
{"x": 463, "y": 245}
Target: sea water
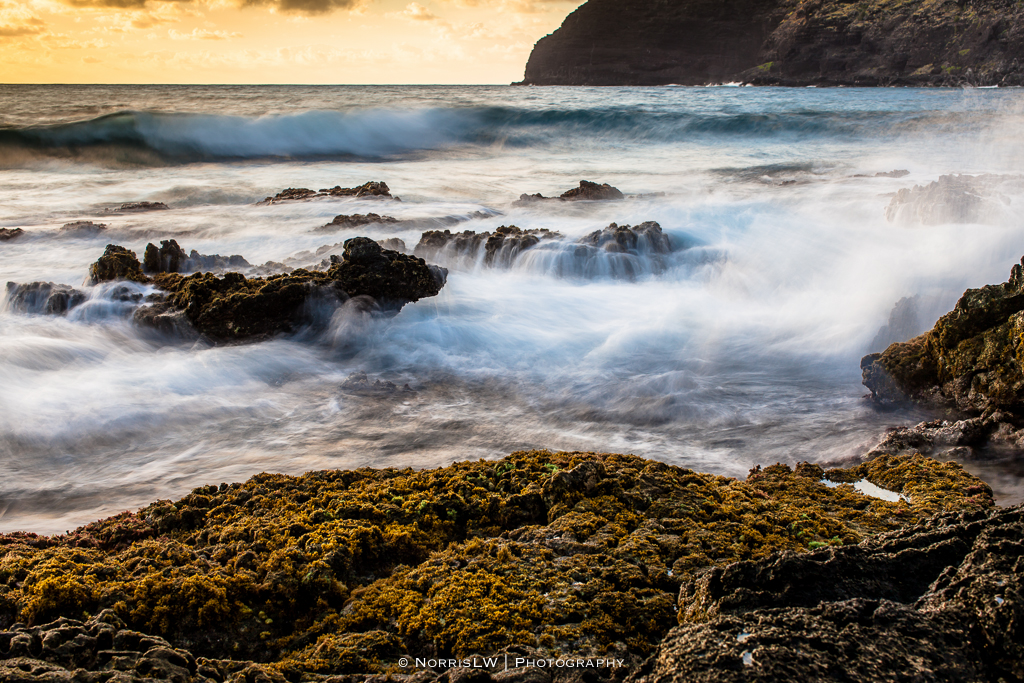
{"x": 741, "y": 347}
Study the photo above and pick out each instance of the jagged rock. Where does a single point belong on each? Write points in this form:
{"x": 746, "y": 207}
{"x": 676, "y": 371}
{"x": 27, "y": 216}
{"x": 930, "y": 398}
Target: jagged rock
{"x": 356, "y": 220}
{"x": 7, "y": 234}
{"x": 783, "y": 42}
{"x": 586, "y": 191}
{"x": 138, "y": 207}
{"x": 43, "y": 297}
{"x": 620, "y": 239}
{"x": 939, "y": 601}
{"x": 373, "y": 189}
{"x": 971, "y": 360}
{"x": 233, "y": 307}
{"x": 171, "y": 258}
{"x": 892, "y": 174}
{"x": 117, "y": 263}
{"x": 81, "y": 229}
{"x": 499, "y": 248}
{"x": 950, "y": 199}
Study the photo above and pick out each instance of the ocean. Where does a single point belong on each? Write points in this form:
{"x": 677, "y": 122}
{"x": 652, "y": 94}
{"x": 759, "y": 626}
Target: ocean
{"x": 740, "y": 347}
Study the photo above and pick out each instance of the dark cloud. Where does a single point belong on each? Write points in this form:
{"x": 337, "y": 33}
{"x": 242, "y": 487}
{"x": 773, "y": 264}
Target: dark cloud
{"x": 305, "y": 6}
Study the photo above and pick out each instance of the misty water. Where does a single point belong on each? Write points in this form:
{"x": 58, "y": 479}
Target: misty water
{"x": 740, "y": 347}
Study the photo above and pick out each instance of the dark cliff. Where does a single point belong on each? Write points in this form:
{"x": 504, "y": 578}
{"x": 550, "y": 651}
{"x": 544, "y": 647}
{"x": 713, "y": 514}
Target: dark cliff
{"x": 784, "y": 42}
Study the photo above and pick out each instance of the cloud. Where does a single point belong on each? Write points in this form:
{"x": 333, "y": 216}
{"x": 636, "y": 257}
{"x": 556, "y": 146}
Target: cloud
{"x": 306, "y": 6}
{"x": 202, "y": 34}
{"x": 417, "y": 12}
{"x": 18, "y": 31}
{"x": 116, "y": 4}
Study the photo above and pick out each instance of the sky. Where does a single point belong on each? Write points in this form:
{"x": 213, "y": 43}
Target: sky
{"x": 272, "y": 41}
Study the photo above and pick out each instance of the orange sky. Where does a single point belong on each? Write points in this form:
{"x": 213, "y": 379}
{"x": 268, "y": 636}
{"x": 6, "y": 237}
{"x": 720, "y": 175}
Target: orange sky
{"x": 272, "y": 41}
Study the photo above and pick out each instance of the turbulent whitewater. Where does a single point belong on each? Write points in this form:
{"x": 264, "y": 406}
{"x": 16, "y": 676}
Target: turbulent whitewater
{"x": 736, "y": 344}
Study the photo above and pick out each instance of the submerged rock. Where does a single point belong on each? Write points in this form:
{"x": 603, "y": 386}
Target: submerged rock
{"x": 371, "y": 190}
{"x": 620, "y": 239}
{"x": 499, "y": 248}
{"x": 356, "y": 220}
{"x": 43, "y": 297}
{"x": 343, "y": 572}
{"x": 939, "y": 601}
{"x": 138, "y": 207}
{"x": 81, "y": 229}
{"x": 8, "y": 234}
{"x": 586, "y": 191}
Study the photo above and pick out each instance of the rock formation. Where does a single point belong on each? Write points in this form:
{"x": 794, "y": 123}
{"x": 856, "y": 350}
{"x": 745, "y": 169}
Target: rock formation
{"x": 499, "y": 248}
{"x": 783, "y": 42}
{"x": 950, "y": 199}
{"x": 586, "y": 191}
{"x": 344, "y": 572}
{"x": 43, "y": 297}
{"x": 169, "y": 257}
{"x": 140, "y": 207}
{"x": 356, "y": 220}
{"x": 370, "y": 190}
{"x": 7, "y": 234}
{"x": 940, "y": 601}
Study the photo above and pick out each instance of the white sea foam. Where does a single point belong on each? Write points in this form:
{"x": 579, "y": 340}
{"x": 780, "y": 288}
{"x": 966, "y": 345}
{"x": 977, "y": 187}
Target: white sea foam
{"x": 741, "y": 347}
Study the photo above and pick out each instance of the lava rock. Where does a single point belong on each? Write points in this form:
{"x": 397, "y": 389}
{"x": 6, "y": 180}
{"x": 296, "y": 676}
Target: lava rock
{"x": 370, "y": 190}
{"x": 8, "y": 234}
{"x": 587, "y": 190}
{"x": 81, "y": 229}
{"x": 357, "y": 220}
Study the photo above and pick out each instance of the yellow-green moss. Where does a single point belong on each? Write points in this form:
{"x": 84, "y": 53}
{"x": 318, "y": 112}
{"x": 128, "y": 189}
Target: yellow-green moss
{"x": 343, "y": 571}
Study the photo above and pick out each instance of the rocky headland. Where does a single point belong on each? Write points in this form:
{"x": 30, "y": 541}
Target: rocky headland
{"x": 784, "y": 42}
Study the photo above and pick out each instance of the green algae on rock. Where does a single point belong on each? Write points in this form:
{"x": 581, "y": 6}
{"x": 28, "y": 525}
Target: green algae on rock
{"x": 971, "y": 360}
{"x": 116, "y": 263}
{"x": 339, "y": 571}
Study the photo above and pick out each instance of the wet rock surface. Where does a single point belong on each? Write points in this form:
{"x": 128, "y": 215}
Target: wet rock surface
{"x": 970, "y": 360}
{"x": 357, "y": 220}
{"x": 117, "y": 263}
{"x": 140, "y": 207}
{"x": 234, "y": 307}
{"x": 783, "y": 42}
{"x": 169, "y": 257}
{"x": 45, "y": 298}
{"x": 343, "y": 572}
{"x": 646, "y": 237}
{"x": 587, "y": 190}
{"x": 938, "y": 601}
{"x": 499, "y": 248}
{"x": 370, "y": 190}
{"x": 81, "y": 229}
{"x": 8, "y": 234}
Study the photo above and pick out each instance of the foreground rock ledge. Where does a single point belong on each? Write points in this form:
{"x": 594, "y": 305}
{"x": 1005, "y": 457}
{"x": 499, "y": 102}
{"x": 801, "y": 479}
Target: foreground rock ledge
{"x": 345, "y": 572}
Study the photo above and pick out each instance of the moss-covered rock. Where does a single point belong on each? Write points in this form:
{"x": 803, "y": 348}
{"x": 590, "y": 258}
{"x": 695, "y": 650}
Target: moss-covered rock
{"x": 971, "y": 360}
{"x": 339, "y": 571}
{"x": 117, "y": 263}
{"x": 233, "y": 307}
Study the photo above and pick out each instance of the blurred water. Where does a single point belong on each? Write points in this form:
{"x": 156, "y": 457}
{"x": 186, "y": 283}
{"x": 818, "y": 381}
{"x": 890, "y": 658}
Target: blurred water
{"x": 739, "y": 348}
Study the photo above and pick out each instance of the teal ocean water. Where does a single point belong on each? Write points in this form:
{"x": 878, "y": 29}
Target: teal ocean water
{"x": 740, "y": 347}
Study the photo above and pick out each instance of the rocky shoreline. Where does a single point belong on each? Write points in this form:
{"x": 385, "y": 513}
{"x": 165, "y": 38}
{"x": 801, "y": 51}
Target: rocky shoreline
{"x": 341, "y": 574}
